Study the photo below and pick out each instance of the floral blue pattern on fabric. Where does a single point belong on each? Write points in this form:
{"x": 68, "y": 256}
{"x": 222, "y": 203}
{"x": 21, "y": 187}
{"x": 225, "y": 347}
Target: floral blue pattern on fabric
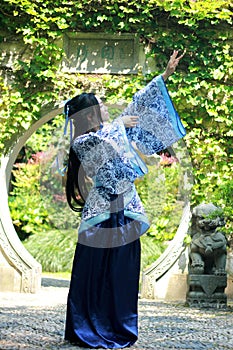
{"x": 110, "y": 160}
{"x": 105, "y": 158}
{"x": 159, "y": 124}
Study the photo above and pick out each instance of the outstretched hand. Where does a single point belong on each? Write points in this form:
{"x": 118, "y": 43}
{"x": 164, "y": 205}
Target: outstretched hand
{"x": 172, "y": 64}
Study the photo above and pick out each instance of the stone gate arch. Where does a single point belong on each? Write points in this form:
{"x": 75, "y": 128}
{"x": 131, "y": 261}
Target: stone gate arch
{"x": 20, "y": 272}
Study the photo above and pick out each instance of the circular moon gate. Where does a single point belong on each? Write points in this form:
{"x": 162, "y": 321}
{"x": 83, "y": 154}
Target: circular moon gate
{"x": 20, "y": 272}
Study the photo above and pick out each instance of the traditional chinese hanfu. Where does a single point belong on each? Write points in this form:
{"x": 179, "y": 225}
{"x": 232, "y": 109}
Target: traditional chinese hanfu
{"x": 102, "y": 301}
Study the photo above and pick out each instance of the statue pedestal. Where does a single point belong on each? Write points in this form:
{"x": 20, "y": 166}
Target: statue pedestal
{"x": 206, "y": 291}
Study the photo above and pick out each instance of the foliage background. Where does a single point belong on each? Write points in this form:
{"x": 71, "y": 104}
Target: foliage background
{"x": 201, "y": 88}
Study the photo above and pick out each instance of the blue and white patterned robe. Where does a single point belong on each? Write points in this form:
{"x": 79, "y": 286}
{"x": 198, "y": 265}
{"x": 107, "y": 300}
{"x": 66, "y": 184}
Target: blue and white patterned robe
{"x": 109, "y": 159}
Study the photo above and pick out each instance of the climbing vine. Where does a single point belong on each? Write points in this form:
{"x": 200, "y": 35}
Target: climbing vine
{"x": 201, "y": 88}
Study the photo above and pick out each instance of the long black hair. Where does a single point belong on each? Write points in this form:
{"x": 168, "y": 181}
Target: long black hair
{"x": 88, "y": 119}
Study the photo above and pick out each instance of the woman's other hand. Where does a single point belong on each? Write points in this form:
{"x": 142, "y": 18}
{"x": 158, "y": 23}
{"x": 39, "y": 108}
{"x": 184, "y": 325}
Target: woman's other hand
{"x": 130, "y": 120}
{"x": 172, "y": 64}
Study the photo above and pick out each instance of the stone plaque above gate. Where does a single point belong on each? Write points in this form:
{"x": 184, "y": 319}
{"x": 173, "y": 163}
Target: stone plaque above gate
{"x": 102, "y": 53}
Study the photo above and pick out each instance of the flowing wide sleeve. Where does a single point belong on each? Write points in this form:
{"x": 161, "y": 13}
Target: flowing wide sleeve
{"x": 159, "y": 123}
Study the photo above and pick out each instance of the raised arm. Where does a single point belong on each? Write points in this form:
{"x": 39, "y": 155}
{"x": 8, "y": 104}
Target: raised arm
{"x": 172, "y": 64}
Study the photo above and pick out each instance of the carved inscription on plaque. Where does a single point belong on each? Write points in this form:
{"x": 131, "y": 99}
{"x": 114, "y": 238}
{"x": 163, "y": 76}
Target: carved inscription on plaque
{"x": 101, "y": 53}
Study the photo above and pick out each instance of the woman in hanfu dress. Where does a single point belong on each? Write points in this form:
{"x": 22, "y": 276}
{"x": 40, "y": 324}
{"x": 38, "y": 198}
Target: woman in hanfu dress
{"x": 102, "y": 167}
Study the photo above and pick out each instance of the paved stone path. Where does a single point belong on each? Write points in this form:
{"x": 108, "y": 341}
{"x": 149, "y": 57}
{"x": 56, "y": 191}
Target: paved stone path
{"x": 36, "y": 321}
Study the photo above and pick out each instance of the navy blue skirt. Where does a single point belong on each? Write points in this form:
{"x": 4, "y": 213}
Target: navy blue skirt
{"x": 103, "y": 296}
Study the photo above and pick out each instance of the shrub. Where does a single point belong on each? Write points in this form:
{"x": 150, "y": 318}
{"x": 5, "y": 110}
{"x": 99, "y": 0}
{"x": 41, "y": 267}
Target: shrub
{"x": 37, "y": 201}
{"x": 28, "y": 211}
{"x": 53, "y": 249}
{"x": 159, "y": 191}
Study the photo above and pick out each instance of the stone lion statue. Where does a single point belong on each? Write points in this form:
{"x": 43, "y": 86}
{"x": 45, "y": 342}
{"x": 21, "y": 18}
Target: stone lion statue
{"x": 208, "y": 248}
